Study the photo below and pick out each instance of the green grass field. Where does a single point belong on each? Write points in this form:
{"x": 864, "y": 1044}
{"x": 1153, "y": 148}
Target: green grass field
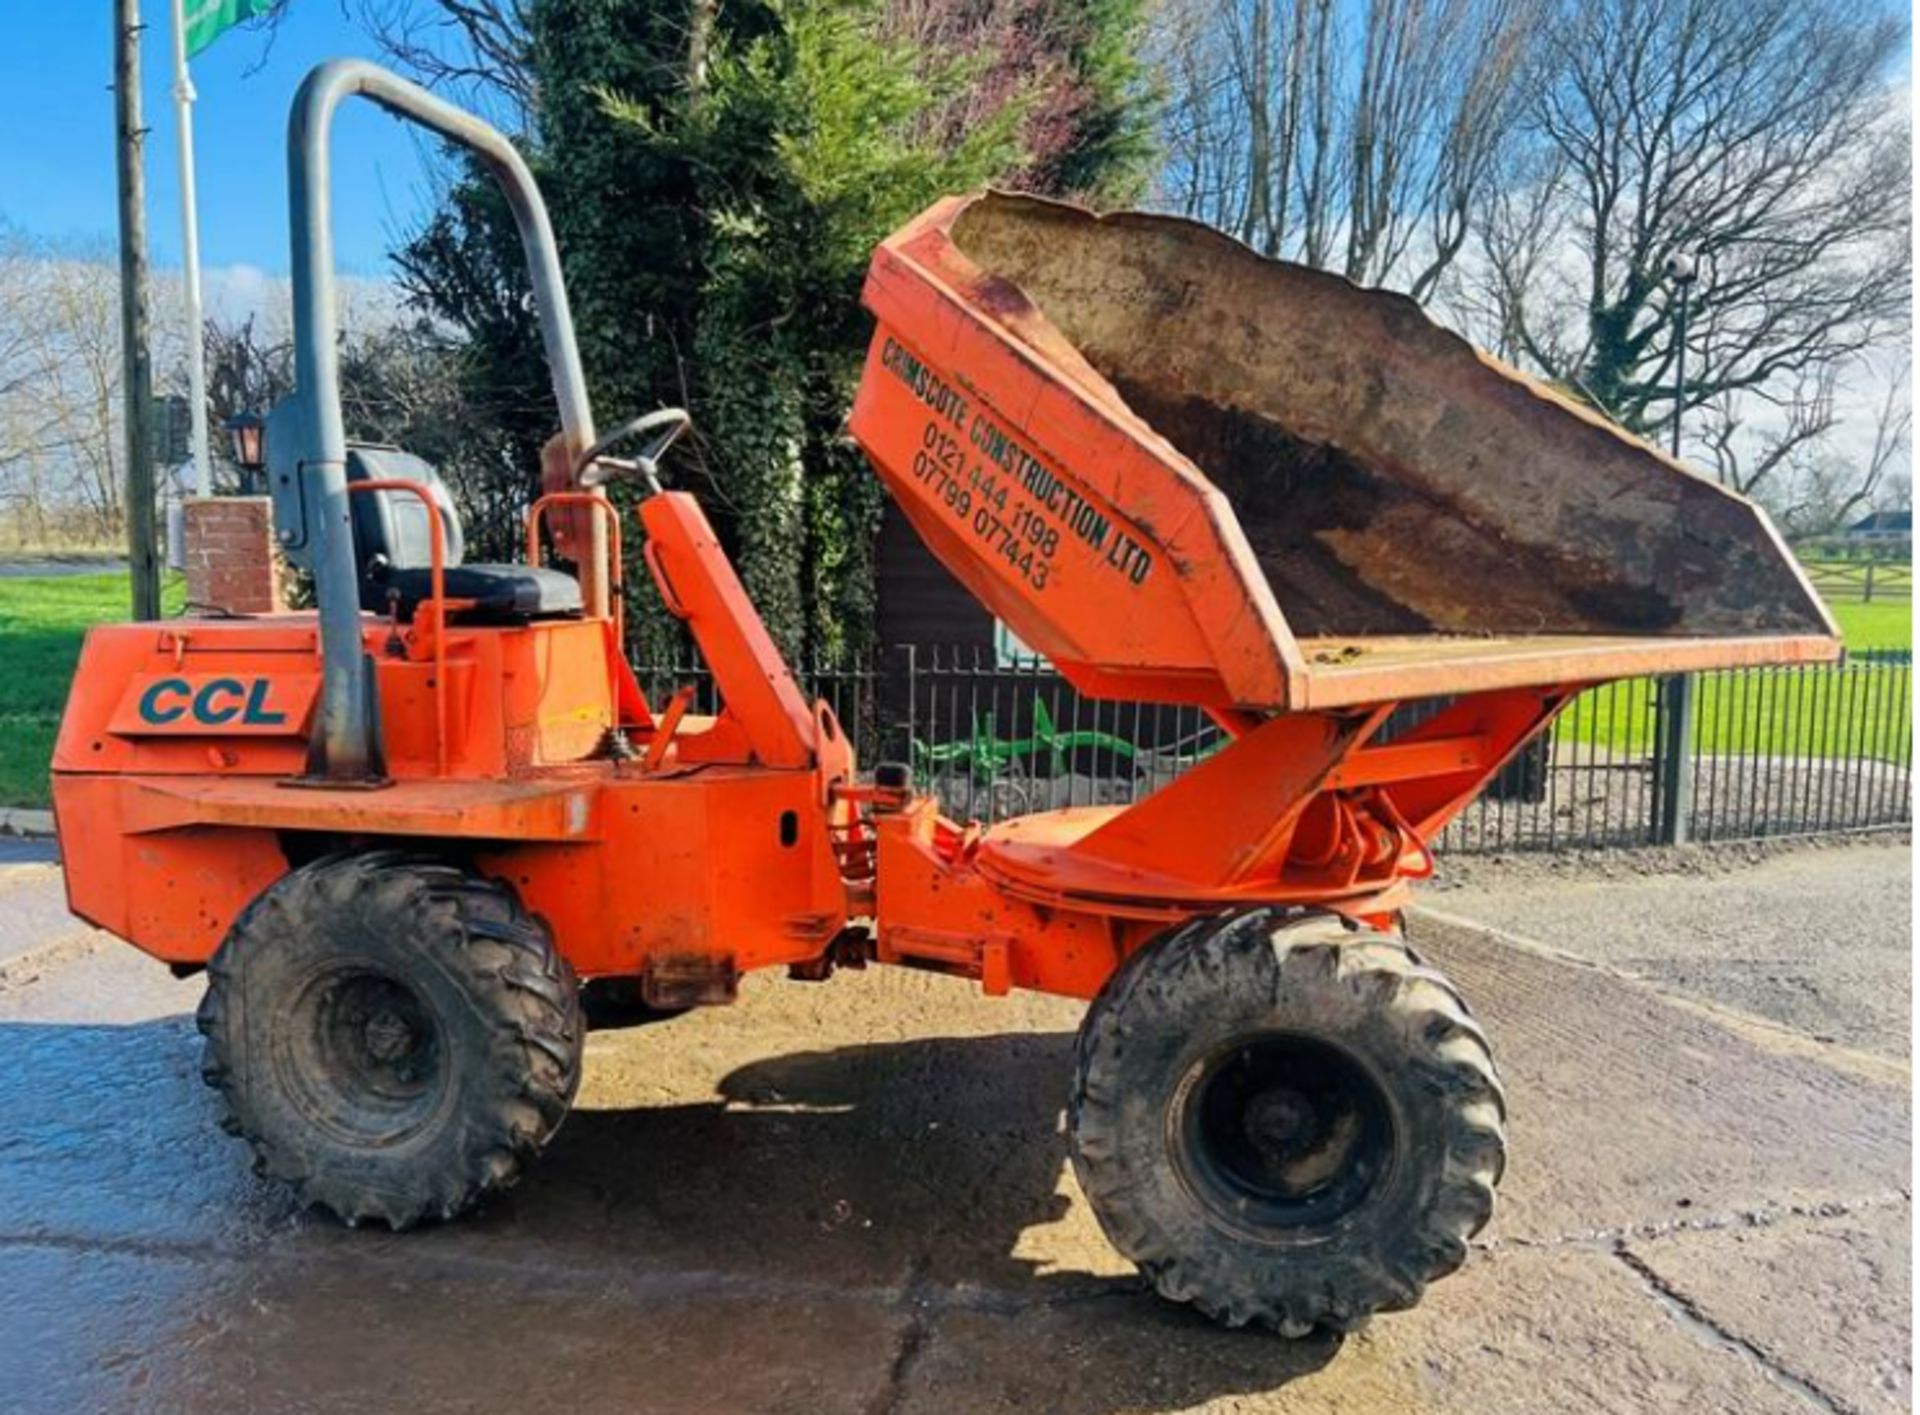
{"x": 1864, "y": 711}
{"x": 1785, "y": 711}
{"x": 1860, "y": 711}
{"x": 1880, "y": 625}
{"x": 42, "y": 622}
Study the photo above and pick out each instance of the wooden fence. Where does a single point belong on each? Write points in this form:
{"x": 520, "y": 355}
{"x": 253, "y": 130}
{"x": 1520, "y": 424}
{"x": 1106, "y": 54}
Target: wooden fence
{"x": 1864, "y": 581}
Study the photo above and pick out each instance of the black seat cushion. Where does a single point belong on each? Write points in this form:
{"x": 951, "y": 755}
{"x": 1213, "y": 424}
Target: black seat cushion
{"x": 393, "y": 542}
{"x": 500, "y": 593}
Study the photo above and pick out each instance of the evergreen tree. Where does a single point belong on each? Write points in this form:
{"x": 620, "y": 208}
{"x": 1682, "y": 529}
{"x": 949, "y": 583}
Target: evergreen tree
{"x": 719, "y": 172}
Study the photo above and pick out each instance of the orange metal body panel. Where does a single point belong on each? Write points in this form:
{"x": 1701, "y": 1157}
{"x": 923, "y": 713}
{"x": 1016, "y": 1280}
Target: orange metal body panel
{"x": 173, "y": 893}
{"x": 548, "y": 696}
{"x": 934, "y": 907}
{"x": 1351, "y": 671}
{"x": 699, "y": 585}
{"x": 689, "y": 864}
{"x": 716, "y": 842}
{"x": 626, "y": 869}
{"x": 1046, "y": 547}
{"x": 1299, "y": 811}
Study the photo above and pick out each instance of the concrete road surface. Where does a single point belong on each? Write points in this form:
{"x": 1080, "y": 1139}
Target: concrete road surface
{"x": 42, "y": 569}
{"x": 851, "y": 1197}
{"x": 1817, "y": 938}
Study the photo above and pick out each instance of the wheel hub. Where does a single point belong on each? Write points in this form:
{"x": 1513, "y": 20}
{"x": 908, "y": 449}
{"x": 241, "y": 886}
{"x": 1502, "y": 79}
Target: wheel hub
{"x": 1283, "y": 1132}
{"x": 387, "y": 1037}
{"x": 1279, "y": 1123}
{"x": 364, "y": 1056}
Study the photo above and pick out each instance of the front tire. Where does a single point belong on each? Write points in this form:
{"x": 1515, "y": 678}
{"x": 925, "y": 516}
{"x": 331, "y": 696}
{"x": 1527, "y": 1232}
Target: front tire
{"x": 396, "y": 1038}
{"x": 1285, "y": 1120}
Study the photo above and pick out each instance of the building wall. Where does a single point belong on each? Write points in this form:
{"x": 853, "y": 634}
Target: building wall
{"x": 918, "y": 601}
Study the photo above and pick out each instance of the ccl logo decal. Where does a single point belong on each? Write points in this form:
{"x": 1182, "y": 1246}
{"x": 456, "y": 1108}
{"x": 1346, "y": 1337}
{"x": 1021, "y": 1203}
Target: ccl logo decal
{"x": 215, "y": 702}
{"x": 183, "y": 703}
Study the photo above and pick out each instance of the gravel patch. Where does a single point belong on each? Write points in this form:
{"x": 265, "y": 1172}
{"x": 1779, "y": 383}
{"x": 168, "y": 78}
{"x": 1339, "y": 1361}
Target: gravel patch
{"x": 1816, "y": 936}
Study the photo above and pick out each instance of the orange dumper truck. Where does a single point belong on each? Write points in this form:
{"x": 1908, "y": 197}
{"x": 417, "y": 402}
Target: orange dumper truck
{"x": 402, "y": 832}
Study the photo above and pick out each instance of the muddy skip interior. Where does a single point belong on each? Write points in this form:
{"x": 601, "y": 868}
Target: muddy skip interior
{"x": 1390, "y": 480}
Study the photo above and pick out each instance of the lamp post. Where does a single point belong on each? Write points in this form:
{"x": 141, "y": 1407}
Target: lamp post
{"x": 1675, "y": 728}
{"x": 246, "y": 436}
{"x": 1680, "y": 271}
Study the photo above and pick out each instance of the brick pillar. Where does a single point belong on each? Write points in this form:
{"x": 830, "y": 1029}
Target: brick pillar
{"x": 231, "y": 565}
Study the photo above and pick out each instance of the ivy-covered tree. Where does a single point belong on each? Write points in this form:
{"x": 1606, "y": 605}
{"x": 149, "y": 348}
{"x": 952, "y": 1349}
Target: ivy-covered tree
{"x": 796, "y": 147}
{"x": 719, "y": 171}
{"x": 464, "y": 270}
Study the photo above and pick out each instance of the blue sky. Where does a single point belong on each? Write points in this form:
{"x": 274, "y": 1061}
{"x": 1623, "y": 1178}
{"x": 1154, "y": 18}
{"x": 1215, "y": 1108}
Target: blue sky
{"x": 56, "y": 137}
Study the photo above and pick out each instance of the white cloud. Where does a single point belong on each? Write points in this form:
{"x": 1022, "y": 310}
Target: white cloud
{"x": 234, "y": 293}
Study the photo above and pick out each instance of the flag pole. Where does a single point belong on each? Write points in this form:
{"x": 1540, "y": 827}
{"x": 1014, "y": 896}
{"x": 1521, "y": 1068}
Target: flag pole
{"x": 183, "y": 96}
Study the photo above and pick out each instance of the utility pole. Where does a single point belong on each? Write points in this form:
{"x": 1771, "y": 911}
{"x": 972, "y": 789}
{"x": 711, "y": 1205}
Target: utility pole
{"x": 143, "y": 560}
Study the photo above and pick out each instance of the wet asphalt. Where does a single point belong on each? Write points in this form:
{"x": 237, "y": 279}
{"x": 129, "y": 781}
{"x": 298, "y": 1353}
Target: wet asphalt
{"x": 852, "y": 1196}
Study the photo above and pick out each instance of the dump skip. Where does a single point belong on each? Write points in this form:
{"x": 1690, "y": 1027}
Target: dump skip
{"x": 1387, "y": 490}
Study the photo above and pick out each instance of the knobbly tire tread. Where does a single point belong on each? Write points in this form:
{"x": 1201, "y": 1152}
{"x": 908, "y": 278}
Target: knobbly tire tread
{"x": 1316, "y": 975}
{"x": 515, "y": 1062}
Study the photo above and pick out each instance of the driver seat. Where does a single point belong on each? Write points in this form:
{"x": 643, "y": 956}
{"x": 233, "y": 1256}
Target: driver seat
{"x": 393, "y": 548}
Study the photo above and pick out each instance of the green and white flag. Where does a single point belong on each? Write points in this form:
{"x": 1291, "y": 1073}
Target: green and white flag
{"x": 207, "y": 20}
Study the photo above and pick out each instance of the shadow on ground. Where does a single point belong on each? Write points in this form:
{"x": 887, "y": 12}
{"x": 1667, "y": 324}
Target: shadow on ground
{"x": 840, "y": 1229}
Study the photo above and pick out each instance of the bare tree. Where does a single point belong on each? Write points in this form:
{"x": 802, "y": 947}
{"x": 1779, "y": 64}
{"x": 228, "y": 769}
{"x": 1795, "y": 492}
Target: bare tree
{"x": 1838, "y": 486}
{"x": 22, "y": 429}
{"x": 1789, "y": 454}
{"x": 1017, "y": 60}
{"x": 59, "y": 387}
{"x": 479, "y": 50}
{"x": 1752, "y": 460}
{"x": 61, "y": 466}
{"x": 78, "y": 381}
{"x": 1356, "y": 137}
{"x": 26, "y": 433}
{"x": 1763, "y": 138}
{"x": 1883, "y": 478}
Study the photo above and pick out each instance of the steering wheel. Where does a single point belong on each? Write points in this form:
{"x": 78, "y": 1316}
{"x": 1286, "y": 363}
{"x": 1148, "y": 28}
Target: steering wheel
{"x": 592, "y": 468}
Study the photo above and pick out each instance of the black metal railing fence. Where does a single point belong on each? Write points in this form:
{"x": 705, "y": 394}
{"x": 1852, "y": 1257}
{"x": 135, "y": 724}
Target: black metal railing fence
{"x": 1773, "y": 752}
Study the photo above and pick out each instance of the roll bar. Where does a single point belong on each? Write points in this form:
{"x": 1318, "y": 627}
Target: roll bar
{"x": 345, "y": 729}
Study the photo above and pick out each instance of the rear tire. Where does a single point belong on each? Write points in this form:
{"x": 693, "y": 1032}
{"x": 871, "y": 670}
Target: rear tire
{"x": 395, "y": 1037}
{"x": 1285, "y": 1120}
